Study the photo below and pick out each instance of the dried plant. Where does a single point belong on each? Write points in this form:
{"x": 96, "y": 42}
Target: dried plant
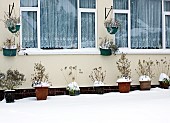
{"x": 106, "y": 43}
{"x": 9, "y": 43}
{"x": 11, "y": 21}
{"x": 111, "y": 23}
{"x": 97, "y": 74}
{"x": 12, "y": 79}
{"x": 123, "y": 65}
{"x": 70, "y": 73}
{"x": 39, "y": 75}
{"x": 163, "y": 66}
{"x": 145, "y": 68}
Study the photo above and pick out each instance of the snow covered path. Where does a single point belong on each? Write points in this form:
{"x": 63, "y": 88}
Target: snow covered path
{"x": 135, "y": 107}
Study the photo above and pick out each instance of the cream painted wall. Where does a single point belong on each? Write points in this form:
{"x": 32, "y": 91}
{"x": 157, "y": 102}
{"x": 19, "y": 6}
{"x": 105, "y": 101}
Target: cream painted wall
{"x": 54, "y": 63}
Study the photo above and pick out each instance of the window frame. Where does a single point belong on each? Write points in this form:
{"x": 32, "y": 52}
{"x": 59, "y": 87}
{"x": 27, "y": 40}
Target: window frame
{"x": 128, "y": 49}
{"x": 60, "y": 51}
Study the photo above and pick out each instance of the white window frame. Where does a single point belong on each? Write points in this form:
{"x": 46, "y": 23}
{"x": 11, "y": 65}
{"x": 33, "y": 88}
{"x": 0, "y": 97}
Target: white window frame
{"x": 144, "y": 51}
{"x": 39, "y": 51}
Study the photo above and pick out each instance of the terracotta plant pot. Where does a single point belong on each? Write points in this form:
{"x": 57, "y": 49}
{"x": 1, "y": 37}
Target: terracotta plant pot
{"x": 145, "y": 85}
{"x": 41, "y": 93}
{"x": 124, "y": 87}
{"x": 163, "y": 85}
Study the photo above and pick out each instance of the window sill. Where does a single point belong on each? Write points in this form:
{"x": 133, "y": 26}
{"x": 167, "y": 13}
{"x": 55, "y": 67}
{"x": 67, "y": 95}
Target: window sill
{"x": 144, "y": 51}
{"x": 90, "y": 51}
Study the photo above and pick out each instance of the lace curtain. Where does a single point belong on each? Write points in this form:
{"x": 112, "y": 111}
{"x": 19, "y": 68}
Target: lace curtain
{"x": 59, "y": 27}
{"x": 146, "y": 24}
{"x": 167, "y": 29}
{"x": 58, "y": 24}
{"x": 146, "y": 33}
{"x": 29, "y": 29}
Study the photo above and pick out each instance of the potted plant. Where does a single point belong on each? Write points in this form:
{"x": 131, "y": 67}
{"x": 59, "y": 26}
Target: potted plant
{"x": 9, "y": 81}
{"x": 12, "y": 23}
{"x": 97, "y": 76}
{"x": 145, "y": 72}
{"x": 9, "y": 48}
{"x": 123, "y": 65}
{"x": 111, "y": 25}
{"x": 107, "y": 47}
{"x": 70, "y": 75}
{"x": 163, "y": 67}
{"x": 40, "y": 81}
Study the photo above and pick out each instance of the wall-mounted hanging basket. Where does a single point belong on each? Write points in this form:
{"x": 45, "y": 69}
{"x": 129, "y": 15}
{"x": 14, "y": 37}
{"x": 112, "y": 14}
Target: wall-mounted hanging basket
{"x": 105, "y": 52}
{"x": 9, "y": 52}
{"x": 112, "y": 30}
{"x": 14, "y": 29}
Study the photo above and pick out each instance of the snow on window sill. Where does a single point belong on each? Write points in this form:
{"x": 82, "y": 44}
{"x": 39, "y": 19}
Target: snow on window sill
{"x": 91, "y": 51}
{"x": 59, "y": 51}
{"x": 144, "y": 51}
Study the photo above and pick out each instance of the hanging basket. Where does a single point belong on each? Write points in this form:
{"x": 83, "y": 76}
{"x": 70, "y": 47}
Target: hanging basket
{"x": 9, "y": 52}
{"x": 14, "y": 29}
{"x": 112, "y": 30}
{"x": 105, "y": 52}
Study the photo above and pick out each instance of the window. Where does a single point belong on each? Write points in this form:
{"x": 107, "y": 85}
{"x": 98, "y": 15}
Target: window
{"x": 145, "y": 24}
{"x": 58, "y": 24}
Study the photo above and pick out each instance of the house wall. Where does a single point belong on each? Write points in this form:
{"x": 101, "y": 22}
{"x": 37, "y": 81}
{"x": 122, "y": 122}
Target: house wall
{"x": 54, "y": 63}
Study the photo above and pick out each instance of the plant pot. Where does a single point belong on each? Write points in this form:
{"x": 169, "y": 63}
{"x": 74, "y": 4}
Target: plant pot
{"x": 41, "y": 93}
{"x": 105, "y": 52}
{"x": 14, "y": 29}
{"x": 74, "y": 93}
{"x": 145, "y": 85}
{"x": 112, "y": 30}
{"x": 9, "y": 52}
{"x": 163, "y": 85}
{"x": 99, "y": 89}
{"x": 124, "y": 87}
{"x": 9, "y": 96}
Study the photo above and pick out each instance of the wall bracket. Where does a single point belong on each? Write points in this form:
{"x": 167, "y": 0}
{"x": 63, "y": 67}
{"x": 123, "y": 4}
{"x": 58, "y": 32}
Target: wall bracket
{"x": 107, "y": 13}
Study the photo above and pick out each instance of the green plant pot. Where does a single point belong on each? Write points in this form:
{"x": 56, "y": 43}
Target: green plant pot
{"x": 112, "y": 30}
{"x": 14, "y": 29}
{"x": 9, "y": 52}
{"x": 105, "y": 52}
{"x": 74, "y": 93}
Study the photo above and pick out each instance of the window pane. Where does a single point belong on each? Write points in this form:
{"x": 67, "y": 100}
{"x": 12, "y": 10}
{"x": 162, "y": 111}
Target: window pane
{"x": 59, "y": 25}
{"x": 87, "y": 3}
{"x": 167, "y": 5}
{"x": 121, "y": 37}
{"x": 120, "y": 4}
{"x": 29, "y": 29}
{"x": 167, "y": 27}
{"x": 87, "y": 30}
{"x": 29, "y": 3}
{"x": 146, "y": 24}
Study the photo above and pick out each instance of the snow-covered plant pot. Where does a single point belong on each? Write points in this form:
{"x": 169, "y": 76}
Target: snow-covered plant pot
{"x": 97, "y": 76}
{"x": 164, "y": 81}
{"x": 124, "y": 84}
{"x": 40, "y": 82}
{"x": 9, "y": 81}
{"x": 145, "y": 82}
{"x": 98, "y": 87}
{"x": 41, "y": 90}
{"x": 73, "y": 89}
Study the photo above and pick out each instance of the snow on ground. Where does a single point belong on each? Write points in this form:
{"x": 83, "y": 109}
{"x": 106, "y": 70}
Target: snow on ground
{"x": 135, "y": 107}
